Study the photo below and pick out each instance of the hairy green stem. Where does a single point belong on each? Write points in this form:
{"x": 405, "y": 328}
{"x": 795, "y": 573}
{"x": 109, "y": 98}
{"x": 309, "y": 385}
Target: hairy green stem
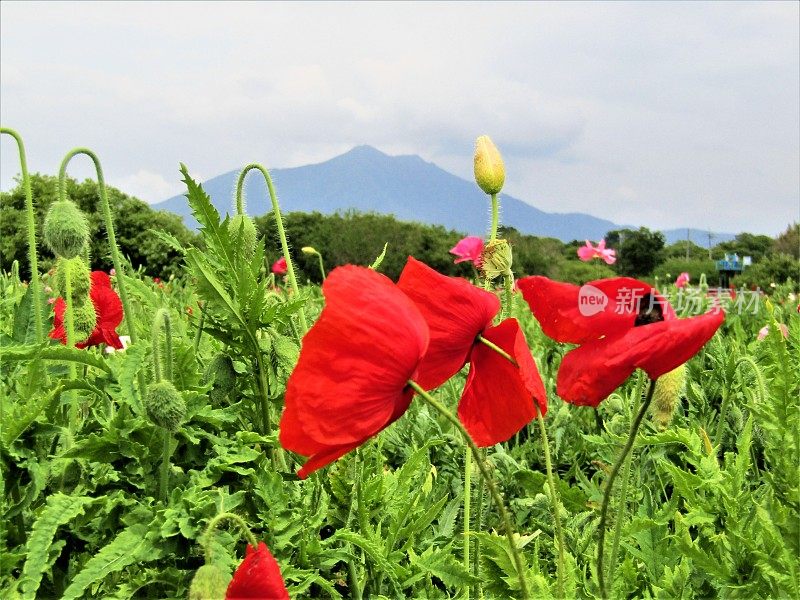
{"x": 610, "y": 483}
{"x": 162, "y": 321}
{"x": 30, "y": 216}
{"x": 281, "y": 232}
{"x": 495, "y": 218}
{"x": 554, "y": 498}
{"x": 69, "y": 324}
{"x": 495, "y": 493}
{"x": 199, "y": 333}
{"x": 214, "y": 523}
{"x": 467, "y": 498}
{"x": 166, "y": 454}
{"x": 112, "y": 239}
{"x": 321, "y": 266}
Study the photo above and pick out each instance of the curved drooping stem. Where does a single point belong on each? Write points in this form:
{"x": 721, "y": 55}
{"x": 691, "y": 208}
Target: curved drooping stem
{"x": 30, "y": 217}
{"x": 281, "y": 231}
{"x": 215, "y": 522}
{"x": 610, "y": 484}
{"x": 487, "y": 477}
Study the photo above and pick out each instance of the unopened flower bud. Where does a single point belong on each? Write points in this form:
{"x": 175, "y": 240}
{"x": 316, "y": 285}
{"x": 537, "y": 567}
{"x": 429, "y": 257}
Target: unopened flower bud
{"x": 84, "y": 318}
{"x": 209, "y": 583}
{"x": 490, "y": 173}
{"x": 496, "y": 258}
{"x": 309, "y": 251}
{"x": 242, "y": 230}
{"x": 66, "y": 230}
{"x": 220, "y": 370}
{"x": 668, "y": 392}
{"x": 80, "y": 278}
{"x": 165, "y": 406}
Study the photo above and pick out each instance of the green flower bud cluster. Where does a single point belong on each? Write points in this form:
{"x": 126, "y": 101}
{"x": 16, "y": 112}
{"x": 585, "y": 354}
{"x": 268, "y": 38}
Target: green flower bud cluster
{"x": 496, "y": 258}
{"x": 220, "y": 371}
{"x": 667, "y": 395}
{"x": 66, "y": 230}
{"x": 80, "y": 278}
{"x": 209, "y": 583}
{"x": 165, "y": 406}
{"x": 242, "y": 231}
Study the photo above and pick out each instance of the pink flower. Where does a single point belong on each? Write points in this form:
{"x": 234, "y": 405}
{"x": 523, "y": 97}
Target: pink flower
{"x": 279, "y": 266}
{"x": 764, "y": 331}
{"x": 468, "y": 249}
{"x": 682, "y": 280}
{"x": 588, "y": 252}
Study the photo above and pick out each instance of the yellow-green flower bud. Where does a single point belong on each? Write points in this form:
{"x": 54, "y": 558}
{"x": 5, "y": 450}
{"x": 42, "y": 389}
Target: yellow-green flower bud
{"x": 668, "y": 392}
{"x": 242, "y": 230}
{"x": 490, "y": 173}
{"x": 66, "y": 230}
{"x": 165, "y": 406}
{"x": 309, "y": 251}
{"x": 84, "y": 318}
{"x": 209, "y": 583}
{"x": 496, "y": 258}
{"x": 80, "y": 278}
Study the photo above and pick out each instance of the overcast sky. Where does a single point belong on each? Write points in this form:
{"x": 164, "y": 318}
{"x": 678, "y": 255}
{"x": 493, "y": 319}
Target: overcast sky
{"x": 660, "y": 114}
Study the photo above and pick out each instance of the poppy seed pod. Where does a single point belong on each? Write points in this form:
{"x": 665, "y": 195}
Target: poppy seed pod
{"x": 668, "y": 392}
{"x": 84, "y": 319}
{"x": 209, "y": 583}
{"x": 66, "y": 230}
{"x": 220, "y": 370}
{"x": 243, "y": 233}
{"x": 80, "y": 278}
{"x": 496, "y": 258}
{"x": 165, "y": 406}
{"x": 490, "y": 173}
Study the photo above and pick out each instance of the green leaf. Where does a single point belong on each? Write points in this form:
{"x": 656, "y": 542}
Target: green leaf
{"x": 60, "y": 509}
{"x": 60, "y": 353}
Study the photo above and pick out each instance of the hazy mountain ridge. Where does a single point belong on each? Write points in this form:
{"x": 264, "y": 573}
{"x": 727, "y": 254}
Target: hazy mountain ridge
{"x": 408, "y": 187}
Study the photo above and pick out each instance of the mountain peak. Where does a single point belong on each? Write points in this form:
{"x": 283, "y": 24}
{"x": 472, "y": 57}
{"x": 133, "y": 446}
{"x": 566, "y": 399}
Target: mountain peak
{"x": 365, "y": 151}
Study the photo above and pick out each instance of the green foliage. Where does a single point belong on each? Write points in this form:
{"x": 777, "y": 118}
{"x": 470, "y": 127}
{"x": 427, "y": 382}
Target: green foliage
{"x": 669, "y": 270}
{"x": 639, "y": 251}
{"x": 746, "y": 244}
{"x": 789, "y": 241}
{"x": 775, "y": 269}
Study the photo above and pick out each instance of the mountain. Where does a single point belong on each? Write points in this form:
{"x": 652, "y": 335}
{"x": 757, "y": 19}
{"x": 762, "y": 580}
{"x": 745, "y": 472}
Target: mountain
{"x": 408, "y": 187}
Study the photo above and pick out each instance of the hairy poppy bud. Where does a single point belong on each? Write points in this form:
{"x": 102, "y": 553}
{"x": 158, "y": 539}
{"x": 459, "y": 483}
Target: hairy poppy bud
{"x": 84, "y": 318}
{"x": 243, "y": 233}
{"x": 496, "y": 258}
{"x": 66, "y": 229}
{"x": 309, "y": 250}
{"x": 209, "y": 583}
{"x": 220, "y": 370}
{"x": 668, "y": 392}
{"x": 165, "y": 406}
{"x": 490, "y": 173}
{"x": 80, "y": 278}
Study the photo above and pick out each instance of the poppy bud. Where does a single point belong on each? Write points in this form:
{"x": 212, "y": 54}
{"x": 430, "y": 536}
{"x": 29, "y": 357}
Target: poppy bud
{"x": 490, "y": 173}
{"x": 309, "y": 251}
{"x": 668, "y": 392}
{"x": 80, "y": 278}
{"x": 220, "y": 370}
{"x": 66, "y": 230}
{"x": 209, "y": 583}
{"x": 496, "y": 258}
{"x": 84, "y": 318}
{"x": 243, "y": 233}
{"x": 165, "y": 406}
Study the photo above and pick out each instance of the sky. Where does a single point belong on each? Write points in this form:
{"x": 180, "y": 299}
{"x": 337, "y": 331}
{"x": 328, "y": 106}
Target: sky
{"x": 658, "y": 114}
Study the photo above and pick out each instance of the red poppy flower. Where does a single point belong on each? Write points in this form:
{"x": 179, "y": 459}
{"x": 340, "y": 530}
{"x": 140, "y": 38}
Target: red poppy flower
{"x": 498, "y": 398}
{"x": 622, "y": 324}
{"x": 108, "y": 308}
{"x": 279, "y": 266}
{"x": 350, "y": 382}
{"x": 258, "y": 577}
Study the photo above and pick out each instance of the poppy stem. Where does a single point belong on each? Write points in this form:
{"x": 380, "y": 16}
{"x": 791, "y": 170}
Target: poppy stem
{"x": 162, "y": 319}
{"x": 467, "y": 498}
{"x": 610, "y": 483}
{"x": 497, "y": 349}
{"x": 33, "y": 260}
{"x": 214, "y": 523}
{"x": 495, "y": 218}
{"x": 281, "y": 231}
{"x": 556, "y": 503}
{"x": 69, "y": 324}
{"x": 490, "y": 483}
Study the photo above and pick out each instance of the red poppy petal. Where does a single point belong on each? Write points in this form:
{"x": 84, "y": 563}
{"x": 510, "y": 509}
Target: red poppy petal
{"x": 258, "y": 576}
{"x": 456, "y": 312}
{"x": 498, "y": 398}
{"x": 590, "y": 373}
{"x": 355, "y": 361}
{"x": 106, "y": 301}
{"x": 576, "y": 314}
{"x": 101, "y": 279}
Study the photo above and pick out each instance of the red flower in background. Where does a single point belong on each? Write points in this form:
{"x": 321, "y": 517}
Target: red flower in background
{"x": 108, "y": 308}
{"x": 622, "y": 324}
{"x": 257, "y": 577}
{"x": 350, "y": 382}
{"x": 279, "y": 266}
{"x": 498, "y": 398}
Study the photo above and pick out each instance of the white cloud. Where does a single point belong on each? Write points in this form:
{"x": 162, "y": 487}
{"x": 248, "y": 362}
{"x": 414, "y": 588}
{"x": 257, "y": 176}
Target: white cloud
{"x": 146, "y": 185}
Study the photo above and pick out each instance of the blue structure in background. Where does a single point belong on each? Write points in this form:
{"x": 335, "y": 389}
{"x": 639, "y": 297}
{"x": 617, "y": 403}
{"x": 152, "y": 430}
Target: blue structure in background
{"x": 730, "y": 266}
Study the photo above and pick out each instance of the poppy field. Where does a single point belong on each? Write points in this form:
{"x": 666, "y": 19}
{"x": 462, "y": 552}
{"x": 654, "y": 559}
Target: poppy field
{"x": 235, "y": 433}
